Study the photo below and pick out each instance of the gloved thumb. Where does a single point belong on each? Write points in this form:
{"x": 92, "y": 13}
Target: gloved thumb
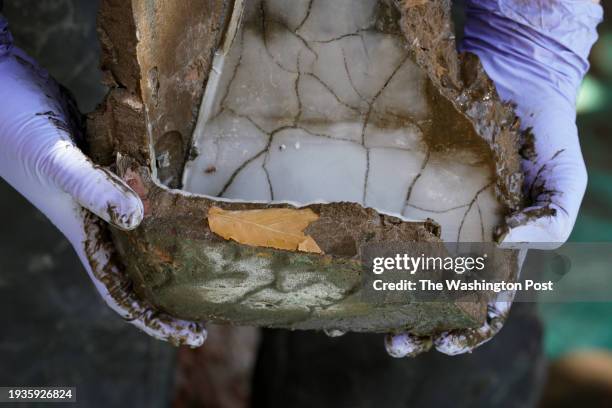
{"x": 93, "y": 187}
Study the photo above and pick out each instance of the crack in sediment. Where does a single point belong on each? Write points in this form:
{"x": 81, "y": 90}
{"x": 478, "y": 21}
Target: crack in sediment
{"x": 264, "y": 166}
{"x": 251, "y": 120}
{"x": 358, "y": 33}
{"x": 238, "y": 170}
{"x": 308, "y": 10}
{"x": 470, "y": 207}
{"x": 366, "y": 120}
{"x": 341, "y": 139}
{"x": 482, "y": 228}
{"x": 228, "y": 89}
{"x": 298, "y": 115}
{"x": 331, "y": 91}
{"x": 418, "y": 176}
{"x": 297, "y": 81}
{"x": 266, "y": 151}
{"x": 299, "y": 37}
{"x": 345, "y": 102}
{"x": 264, "y": 30}
{"x": 447, "y": 210}
{"x": 296, "y": 35}
{"x": 350, "y": 78}
{"x": 367, "y": 176}
{"x": 377, "y": 95}
{"x": 265, "y": 169}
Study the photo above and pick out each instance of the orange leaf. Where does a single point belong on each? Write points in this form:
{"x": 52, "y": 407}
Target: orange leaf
{"x": 280, "y": 228}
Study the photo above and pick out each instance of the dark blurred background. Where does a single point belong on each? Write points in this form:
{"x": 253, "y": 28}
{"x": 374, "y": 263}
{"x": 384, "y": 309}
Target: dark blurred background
{"x": 54, "y": 329}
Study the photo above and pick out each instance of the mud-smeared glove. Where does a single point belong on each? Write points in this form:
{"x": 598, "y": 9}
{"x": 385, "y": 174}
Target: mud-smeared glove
{"x": 40, "y": 159}
{"x": 536, "y": 54}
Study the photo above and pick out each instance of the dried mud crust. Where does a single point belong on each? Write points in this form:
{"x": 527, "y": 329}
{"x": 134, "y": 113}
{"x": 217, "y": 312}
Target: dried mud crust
{"x": 183, "y": 268}
{"x": 461, "y": 80}
{"x": 179, "y": 264}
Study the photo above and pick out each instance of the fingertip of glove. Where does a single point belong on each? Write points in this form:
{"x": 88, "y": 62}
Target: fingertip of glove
{"x": 546, "y": 228}
{"x": 97, "y": 188}
{"x": 200, "y": 339}
{"x": 406, "y": 345}
{"x": 533, "y": 236}
{"x": 194, "y": 336}
{"x": 175, "y": 331}
{"x": 127, "y": 212}
{"x": 452, "y": 345}
{"x": 119, "y": 204}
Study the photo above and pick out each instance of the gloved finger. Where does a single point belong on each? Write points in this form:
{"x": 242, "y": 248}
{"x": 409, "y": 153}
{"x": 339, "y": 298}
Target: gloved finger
{"x": 116, "y": 290}
{"x": 406, "y": 345}
{"x": 538, "y": 64}
{"x": 536, "y": 228}
{"x": 174, "y": 331}
{"x": 334, "y": 332}
{"x": 555, "y": 183}
{"x": 93, "y": 187}
{"x": 465, "y": 341}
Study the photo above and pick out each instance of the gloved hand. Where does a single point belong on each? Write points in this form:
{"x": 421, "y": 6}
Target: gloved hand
{"x": 39, "y": 158}
{"x": 536, "y": 54}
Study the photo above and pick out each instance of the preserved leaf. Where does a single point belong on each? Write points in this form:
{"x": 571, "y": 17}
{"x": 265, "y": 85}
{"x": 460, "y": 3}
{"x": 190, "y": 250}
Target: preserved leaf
{"x": 280, "y": 228}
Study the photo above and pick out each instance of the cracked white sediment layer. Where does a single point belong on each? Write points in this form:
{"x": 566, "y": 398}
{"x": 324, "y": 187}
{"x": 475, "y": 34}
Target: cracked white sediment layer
{"x": 319, "y": 101}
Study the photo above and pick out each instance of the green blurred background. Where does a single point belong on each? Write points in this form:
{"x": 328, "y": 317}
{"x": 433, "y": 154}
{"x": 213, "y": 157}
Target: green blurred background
{"x": 578, "y": 326}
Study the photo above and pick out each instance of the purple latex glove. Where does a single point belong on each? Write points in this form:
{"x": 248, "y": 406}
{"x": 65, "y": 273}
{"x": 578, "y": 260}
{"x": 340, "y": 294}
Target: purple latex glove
{"x": 39, "y": 158}
{"x": 535, "y": 51}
